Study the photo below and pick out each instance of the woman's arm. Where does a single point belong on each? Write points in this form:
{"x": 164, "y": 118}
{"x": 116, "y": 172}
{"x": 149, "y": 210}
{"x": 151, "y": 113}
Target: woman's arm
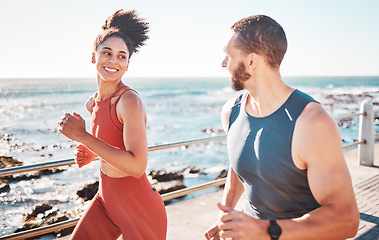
{"x": 133, "y": 160}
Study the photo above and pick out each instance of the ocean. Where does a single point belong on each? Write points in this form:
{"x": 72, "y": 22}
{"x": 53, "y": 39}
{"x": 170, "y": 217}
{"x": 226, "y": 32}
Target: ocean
{"x": 178, "y": 109}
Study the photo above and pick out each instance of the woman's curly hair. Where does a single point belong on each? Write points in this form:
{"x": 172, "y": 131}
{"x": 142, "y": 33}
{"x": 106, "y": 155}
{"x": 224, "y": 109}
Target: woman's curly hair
{"x": 126, "y": 25}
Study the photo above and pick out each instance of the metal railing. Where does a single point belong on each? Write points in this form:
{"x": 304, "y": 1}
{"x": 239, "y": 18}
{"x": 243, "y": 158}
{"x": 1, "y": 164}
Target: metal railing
{"x": 72, "y": 222}
{"x": 349, "y": 116}
{"x": 71, "y": 161}
{"x": 168, "y": 196}
{"x": 67, "y": 162}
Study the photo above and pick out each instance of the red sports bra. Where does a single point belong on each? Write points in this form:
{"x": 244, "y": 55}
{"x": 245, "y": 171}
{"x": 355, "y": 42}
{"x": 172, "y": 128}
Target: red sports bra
{"x": 104, "y": 122}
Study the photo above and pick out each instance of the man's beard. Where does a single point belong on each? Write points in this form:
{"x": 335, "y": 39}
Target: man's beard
{"x": 239, "y": 77}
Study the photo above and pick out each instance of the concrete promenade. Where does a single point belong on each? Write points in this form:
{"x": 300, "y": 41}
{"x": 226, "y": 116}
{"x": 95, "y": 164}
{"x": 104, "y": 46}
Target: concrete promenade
{"x": 188, "y": 220}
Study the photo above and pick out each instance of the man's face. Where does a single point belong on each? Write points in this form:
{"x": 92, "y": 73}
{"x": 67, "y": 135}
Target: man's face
{"x": 234, "y": 63}
{"x": 239, "y": 77}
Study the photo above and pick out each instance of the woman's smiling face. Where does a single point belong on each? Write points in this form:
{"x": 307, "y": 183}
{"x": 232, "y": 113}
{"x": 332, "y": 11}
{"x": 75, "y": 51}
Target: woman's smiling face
{"x": 111, "y": 59}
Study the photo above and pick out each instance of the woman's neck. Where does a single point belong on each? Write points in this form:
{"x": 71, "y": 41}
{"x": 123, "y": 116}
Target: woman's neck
{"x": 106, "y": 89}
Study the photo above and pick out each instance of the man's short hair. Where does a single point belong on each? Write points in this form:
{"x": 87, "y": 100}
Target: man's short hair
{"x": 262, "y": 35}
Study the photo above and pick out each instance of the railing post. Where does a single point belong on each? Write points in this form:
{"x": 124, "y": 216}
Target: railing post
{"x": 366, "y": 134}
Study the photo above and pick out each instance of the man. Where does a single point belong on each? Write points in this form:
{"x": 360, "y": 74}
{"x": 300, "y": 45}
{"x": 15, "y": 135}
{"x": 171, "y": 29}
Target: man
{"x": 285, "y": 151}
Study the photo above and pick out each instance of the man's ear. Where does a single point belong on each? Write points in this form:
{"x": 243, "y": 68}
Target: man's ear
{"x": 253, "y": 58}
{"x": 93, "y": 58}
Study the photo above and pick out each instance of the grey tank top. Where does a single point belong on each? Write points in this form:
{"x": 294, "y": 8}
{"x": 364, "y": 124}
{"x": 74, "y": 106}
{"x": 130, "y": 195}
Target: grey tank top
{"x": 259, "y": 151}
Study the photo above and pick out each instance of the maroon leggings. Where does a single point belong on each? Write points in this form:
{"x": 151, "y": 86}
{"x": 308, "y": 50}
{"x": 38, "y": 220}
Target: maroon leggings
{"x": 127, "y": 206}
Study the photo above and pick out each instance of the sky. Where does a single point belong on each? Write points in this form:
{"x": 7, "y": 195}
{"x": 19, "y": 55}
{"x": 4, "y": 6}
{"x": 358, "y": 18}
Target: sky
{"x": 47, "y": 38}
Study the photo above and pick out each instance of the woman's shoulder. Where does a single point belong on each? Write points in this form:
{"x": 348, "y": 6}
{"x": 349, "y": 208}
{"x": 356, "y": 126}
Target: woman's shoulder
{"x": 129, "y": 95}
{"x": 129, "y": 99}
{"x": 130, "y": 104}
{"x": 90, "y": 102}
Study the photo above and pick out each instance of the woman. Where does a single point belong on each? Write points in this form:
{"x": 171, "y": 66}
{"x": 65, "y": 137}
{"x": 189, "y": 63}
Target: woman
{"x": 125, "y": 203}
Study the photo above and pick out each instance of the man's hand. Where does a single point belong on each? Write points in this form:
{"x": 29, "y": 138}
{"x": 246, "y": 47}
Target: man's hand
{"x": 239, "y": 226}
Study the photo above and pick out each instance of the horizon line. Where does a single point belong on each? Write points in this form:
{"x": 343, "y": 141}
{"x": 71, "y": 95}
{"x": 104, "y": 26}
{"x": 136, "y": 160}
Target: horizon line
{"x": 188, "y": 77}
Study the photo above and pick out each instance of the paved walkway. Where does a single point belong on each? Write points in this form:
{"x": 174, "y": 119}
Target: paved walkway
{"x": 188, "y": 220}
{"x": 366, "y": 187}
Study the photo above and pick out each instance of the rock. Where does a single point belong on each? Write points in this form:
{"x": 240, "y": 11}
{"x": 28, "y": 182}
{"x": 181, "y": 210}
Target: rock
{"x": 50, "y": 171}
{"x": 59, "y": 217}
{"x": 347, "y": 123}
{"x": 7, "y": 162}
{"x": 21, "y": 177}
{"x": 64, "y": 232}
{"x": 39, "y": 209}
{"x": 50, "y": 214}
{"x": 88, "y": 191}
{"x": 48, "y": 218}
{"x": 164, "y": 176}
{"x": 213, "y": 131}
{"x": 4, "y": 187}
{"x": 27, "y": 226}
{"x": 170, "y": 186}
{"x": 166, "y": 182}
{"x": 223, "y": 174}
{"x": 35, "y": 175}
{"x": 192, "y": 170}
{"x": 46, "y": 155}
{"x": 6, "y": 137}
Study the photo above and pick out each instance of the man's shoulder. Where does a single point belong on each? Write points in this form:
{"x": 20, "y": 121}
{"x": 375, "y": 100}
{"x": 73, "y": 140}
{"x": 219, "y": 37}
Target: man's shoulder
{"x": 316, "y": 122}
{"x": 228, "y": 105}
{"x": 315, "y": 113}
{"x": 233, "y": 101}
{"x": 315, "y": 132}
{"x": 227, "y": 109}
